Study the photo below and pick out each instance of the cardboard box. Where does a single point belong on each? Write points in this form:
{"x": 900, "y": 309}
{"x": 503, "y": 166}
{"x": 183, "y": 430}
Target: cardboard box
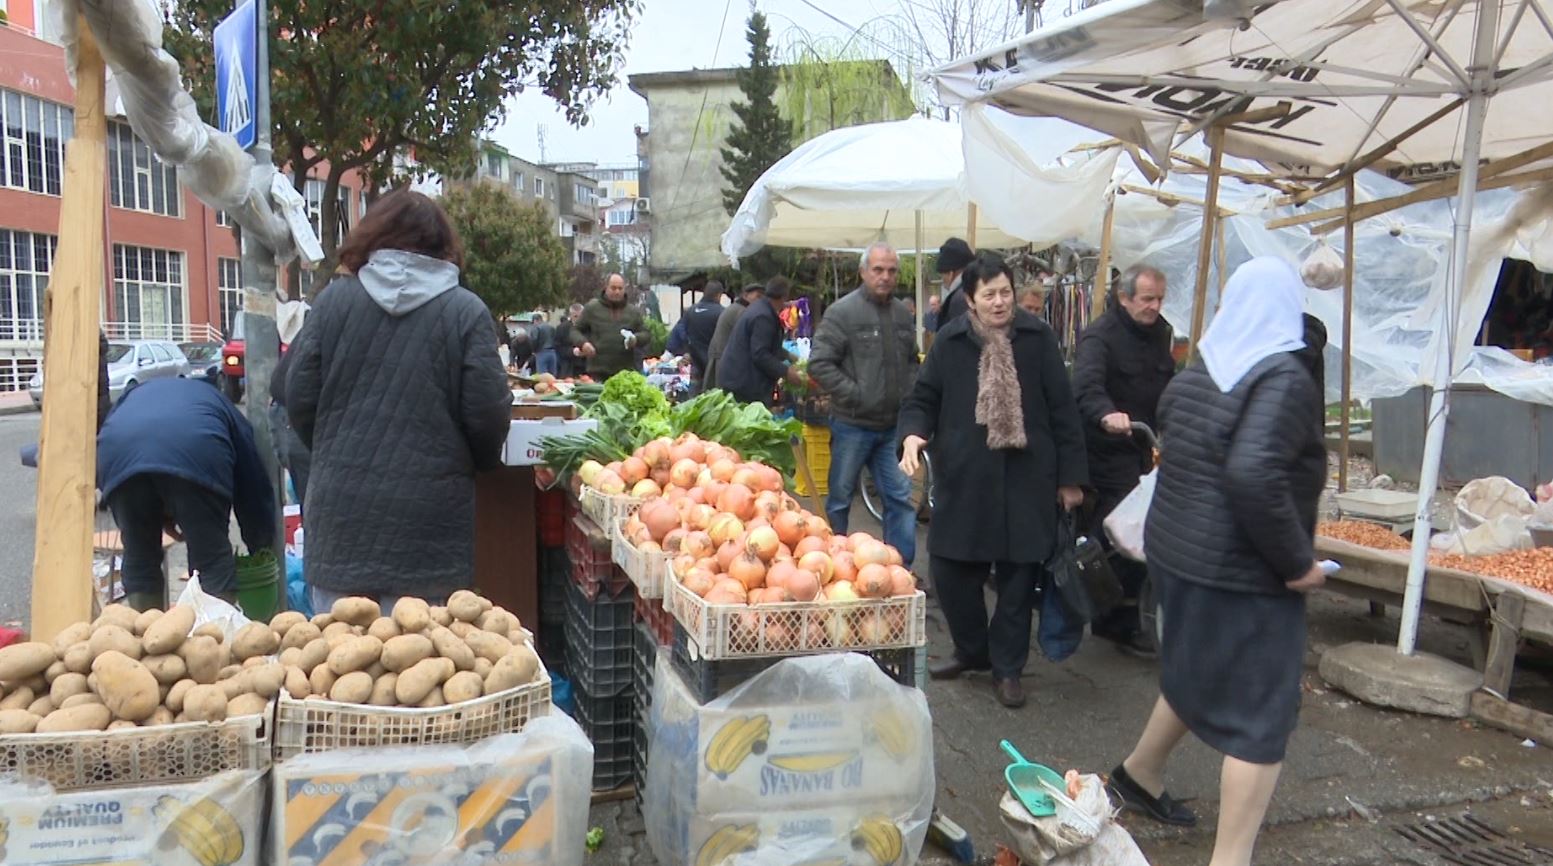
{"x": 523, "y": 440}
{"x": 565, "y": 410}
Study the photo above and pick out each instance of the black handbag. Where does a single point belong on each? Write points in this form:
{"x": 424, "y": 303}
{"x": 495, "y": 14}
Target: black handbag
{"x": 1081, "y": 573}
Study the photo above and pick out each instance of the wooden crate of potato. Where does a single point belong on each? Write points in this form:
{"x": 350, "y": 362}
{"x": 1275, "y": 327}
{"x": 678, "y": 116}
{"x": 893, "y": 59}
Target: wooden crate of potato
{"x": 136, "y": 698}
{"x": 420, "y": 675}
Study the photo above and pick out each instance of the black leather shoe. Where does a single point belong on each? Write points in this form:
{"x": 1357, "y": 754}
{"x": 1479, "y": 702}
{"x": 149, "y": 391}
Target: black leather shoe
{"x": 951, "y": 669}
{"x": 1010, "y": 692}
{"x": 1163, "y": 808}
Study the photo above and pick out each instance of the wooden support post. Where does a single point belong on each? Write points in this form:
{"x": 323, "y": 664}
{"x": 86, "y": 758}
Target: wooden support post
{"x": 62, "y": 586}
{"x": 1210, "y": 214}
{"x": 970, "y": 225}
{"x": 1347, "y": 396}
{"x": 920, "y": 290}
{"x": 1221, "y": 260}
{"x": 1103, "y": 267}
{"x": 1509, "y": 611}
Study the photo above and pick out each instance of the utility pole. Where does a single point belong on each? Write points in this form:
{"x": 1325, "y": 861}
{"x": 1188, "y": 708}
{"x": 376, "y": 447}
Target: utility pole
{"x": 261, "y": 338}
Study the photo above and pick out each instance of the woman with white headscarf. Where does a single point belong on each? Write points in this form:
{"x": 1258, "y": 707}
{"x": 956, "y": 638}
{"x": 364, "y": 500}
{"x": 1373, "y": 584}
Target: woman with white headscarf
{"x": 1230, "y": 544}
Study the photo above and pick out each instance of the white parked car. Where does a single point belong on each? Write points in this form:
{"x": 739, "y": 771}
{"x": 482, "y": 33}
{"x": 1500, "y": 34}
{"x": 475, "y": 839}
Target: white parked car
{"x": 130, "y": 364}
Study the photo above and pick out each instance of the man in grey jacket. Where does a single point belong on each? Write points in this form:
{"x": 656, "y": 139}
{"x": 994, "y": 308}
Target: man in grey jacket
{"x": 865, "y": 357}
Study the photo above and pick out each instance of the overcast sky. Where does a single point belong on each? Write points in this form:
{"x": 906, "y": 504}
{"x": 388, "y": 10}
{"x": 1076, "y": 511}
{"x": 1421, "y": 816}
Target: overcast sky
{"x": 672, "y": 35}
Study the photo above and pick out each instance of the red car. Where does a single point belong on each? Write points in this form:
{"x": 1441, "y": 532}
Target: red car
{"x": 232, "y": 356}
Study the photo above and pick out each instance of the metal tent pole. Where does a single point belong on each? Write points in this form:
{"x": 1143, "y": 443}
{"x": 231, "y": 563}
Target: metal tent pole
{"x": 1481, "y": 77}
{"x": 1348, "y": 259}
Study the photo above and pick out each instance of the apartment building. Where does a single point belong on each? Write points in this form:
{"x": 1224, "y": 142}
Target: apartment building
{"x": 171, "y": 264}
{"x": 568, "y": 191}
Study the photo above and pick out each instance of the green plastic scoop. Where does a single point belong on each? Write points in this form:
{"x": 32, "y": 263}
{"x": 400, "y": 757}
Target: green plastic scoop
{"x": 1024, "y": 782}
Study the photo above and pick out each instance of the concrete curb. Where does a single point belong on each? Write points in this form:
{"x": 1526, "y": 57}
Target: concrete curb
{"x": 18, "y": 409}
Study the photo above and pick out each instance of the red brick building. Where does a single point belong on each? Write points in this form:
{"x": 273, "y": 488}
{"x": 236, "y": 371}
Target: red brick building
{"x": 171, "y": 263}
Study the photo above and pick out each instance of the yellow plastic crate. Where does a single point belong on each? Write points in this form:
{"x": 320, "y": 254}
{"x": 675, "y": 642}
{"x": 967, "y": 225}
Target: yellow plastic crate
{"x": 816, "y": 443}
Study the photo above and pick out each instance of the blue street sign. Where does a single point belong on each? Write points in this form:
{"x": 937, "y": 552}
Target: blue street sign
{"x": 237, "y": 77}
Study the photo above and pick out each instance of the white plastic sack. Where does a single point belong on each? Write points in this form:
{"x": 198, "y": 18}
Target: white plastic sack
{"x": 1125, "y": 523}
{"x": 814, "y": 760}
{"x": 1485, "y": 499}
{"x": 1065, "y": 840}
{"x": 513, "y": 798}
{"x": 209, "y": 609}
{"x": 1499, "y": 535}
{"x": 1323, "y": 268}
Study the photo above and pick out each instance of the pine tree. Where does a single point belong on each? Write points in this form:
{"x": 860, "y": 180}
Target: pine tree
{"x": 760, "y": 136}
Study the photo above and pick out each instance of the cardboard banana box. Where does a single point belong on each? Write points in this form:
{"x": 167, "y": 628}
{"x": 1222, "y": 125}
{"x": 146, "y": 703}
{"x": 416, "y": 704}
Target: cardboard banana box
{"x": 511, "y": 799}
{"x": 831, "y": 837}
{"x": 216, "y": 822}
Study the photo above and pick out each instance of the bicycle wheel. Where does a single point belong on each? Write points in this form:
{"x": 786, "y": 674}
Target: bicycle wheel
{"x": 921, "y": 491}
{"x": 871, "y": 498}
{"x": 1151, "y": 622}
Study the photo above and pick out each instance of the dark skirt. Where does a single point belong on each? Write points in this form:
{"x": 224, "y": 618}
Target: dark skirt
{"x": 1231, "y": 664}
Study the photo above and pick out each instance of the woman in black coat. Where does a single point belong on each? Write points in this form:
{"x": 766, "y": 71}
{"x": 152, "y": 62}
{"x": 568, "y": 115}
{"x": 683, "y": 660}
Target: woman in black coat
{"x": 1230, "y": 547}
{"x": 1007, "y": 454}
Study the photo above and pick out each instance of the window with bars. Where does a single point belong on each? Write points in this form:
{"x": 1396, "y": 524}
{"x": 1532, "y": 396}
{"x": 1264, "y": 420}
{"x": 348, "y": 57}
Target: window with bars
{"x": 137, "y": 180}
{"x": 32, "y": 146}
{"x": 25, "y": 262}
{"x": 148, "y": 288}
{"x": 229, "y": 285}
{"x": 223, "y": 220}
{"x": 314, "y": 193}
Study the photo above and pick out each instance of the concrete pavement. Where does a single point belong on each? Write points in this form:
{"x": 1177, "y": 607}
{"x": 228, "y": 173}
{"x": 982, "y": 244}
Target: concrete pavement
{"x": 16, "y": 403}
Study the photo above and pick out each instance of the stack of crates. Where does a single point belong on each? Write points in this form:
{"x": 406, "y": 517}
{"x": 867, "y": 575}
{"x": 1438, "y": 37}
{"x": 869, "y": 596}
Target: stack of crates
{"x": 708, "y": 680}
{"x": 816, "y": 444}
{"x": 600, "y": 652}
{"x": 654, "y": 630}
{"x": 555, "y": 575}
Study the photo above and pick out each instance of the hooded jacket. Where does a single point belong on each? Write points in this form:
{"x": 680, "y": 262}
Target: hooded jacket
{"x": 396, "y": 386}
{"x": 601, "y": 324}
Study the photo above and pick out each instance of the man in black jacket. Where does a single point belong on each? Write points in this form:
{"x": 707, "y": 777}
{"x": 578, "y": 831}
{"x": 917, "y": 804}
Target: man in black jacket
{"x": 953, "y": 258}
{"x": 700, "y": 326}
{"x": 755, "y": 360}
{"x": 1121, "y": 368}
{"x": 726, "y": 321}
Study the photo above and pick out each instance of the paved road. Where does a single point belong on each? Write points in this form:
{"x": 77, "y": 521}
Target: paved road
{"x": 18, "y": 512}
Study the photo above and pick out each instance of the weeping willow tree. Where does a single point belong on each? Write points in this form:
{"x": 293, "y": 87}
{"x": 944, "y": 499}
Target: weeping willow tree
{"x": 828, "y": 83}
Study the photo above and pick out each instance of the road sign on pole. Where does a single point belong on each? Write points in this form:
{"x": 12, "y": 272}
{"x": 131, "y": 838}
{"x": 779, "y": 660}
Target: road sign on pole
{"x": 237, "y": 74}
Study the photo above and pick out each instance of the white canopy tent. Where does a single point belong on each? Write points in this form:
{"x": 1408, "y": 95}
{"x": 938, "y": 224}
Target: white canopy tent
{"x": 1312, "y": 86}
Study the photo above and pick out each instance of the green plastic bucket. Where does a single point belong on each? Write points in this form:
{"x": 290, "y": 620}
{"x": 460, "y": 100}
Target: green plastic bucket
{"x": 258, "y": 585}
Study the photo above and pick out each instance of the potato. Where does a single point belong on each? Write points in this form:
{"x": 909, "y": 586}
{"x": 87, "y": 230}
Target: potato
{"x": 162, "y": 716}
{"x": 20, "y": 661}
{"x": 67, "y": 686}
{"x": 121, "y": 615}
{"x": 412, "y": 615}
{"x": 357, "y": 654}
{"x": 352, "y": 688}
{"x": 268, "y": 679}
{"x": 169, "y": 631}
{"x": 91, "y": 681}
{"x": 167, "y": 669}
{"x": 175, "y": 695}
{"x": 433, "y": 698}
{"x": 210, "y": 630}
{"x": 78, "y": 700}
{"x": 144, "y": 621}
{"x": 229, "y": 672}
{"x": 321, "y": 680}
{"x": 451, "y": 646}
{"x": 440, "y": 615}
{"x": 520, "y": 635}
{"x": 383, "y": 691}
{"x": 498, "y": 621}
{"x": 87, "y": 717}
{"x": 300, "y": 635}
{"x": 20, "y": 699}
{"x": 246, "y": 705}
{"x": 356, "y": 610}
{"x": 483, "y": 667}
{"x": 112, "y": 638}
{"x": 55, "y": 671}
{"x": 254, "y": 639}
{"x": 405, "y": 651}
{"x": 202, "y": 658}
{"x": 205, "y": 703}
{"x": 17, "y": 722}
{"x": 161, "y": 691}
{"x": 464, "y": 686}
{"x": 255, "y": 662}
{"x": 517, "y": 668}
{"x": 489, "y": 646}
{"x": 78, "y": 659}
{"x": 416, "y": 683}
{"x": 383, "y": 629}
{"x": 240, "y": 684}
{"x": 42, "y": 706}
{"x": 462, "y": 629}
{"x": 290, "y": 656}
{"x": 282, "y": 623}
{"x": 314, "y": 654}
{"x": 121, "y": 725}
{"x": 296, "y": 683}
{"x": 125, "y": 685}
{"x": 38, "y": 683}
{"x": 81, "y": 632}
{"x": 467, "y": 606}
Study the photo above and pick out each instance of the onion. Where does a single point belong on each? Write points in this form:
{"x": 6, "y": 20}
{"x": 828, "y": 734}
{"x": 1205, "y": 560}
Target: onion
{"x": 873, "y": 581}
{"x": 727, "y": 553}
{"x": 777, "y": 595}
{"x": 808, "y": 544}
{"x": 779, "y": 572}
{"x": 683, "y": 564}
{"x": 768, "y": 504}
{"x": 819, "y": 564}
{"x": 659, "y": 477}
{"x": 804, "y": 585}
{"x": 738, "y": 500}
{"x": 651, "y": 547}
{"x": 893, "y": 556}
{"x": 902, "y": 582}
{"x": 723, "y": 470}
{"x": 713, "y": 491}
{"x": 698, "y": 544}
{"x": 660, "y": 518}
{"x": 725, "y": 528}
{"x": 698, "y": 581}
{"x": 647, "y": 489}
{"x": 609, "y": 482}
{"x": 790, "y": 527}
{"x": 674, "y": 539}
{"x": 700, "y": 516}
{"x": 763, "y": 542}
{"x": 704, "y": 477}
{"x": 696, "y": 495}
{"x": 870, "y": 552}
{"x": 655, "y": 454}
{"x": 838, "y": 544}
{"x": 688, "y": 448}
{"x": 767, "y": 478}
{"x": 841, "y": 590}
{"x": 748, "y": 570}
{"x": 683, "y": 473}
{"x": 857, "y": 538}
{"x": 844, "y": 568}
{"x": 589, "y": 470}
{"x": 819, "y": 527}
{"x": 746, "y": 476}
{"x": 633, "y": 469}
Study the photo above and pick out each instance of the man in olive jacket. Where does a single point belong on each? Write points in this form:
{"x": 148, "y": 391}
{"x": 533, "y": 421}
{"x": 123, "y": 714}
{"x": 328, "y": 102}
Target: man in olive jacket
{"x": 597, "y": 335}
{"x": 864, "y": 355}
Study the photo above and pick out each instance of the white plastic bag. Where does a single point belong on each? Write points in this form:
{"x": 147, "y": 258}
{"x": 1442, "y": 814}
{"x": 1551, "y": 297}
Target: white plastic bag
{"x": 209, "y": 609}
{"x": 1323, "y": 268}
{"x": 1060, "y": 840}
{"x": 1485, "y": 499}
{"x": 1125, "y": 523}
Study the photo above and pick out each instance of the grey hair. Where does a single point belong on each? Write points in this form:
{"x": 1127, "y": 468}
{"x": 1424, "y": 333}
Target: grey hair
{"x": 1128, "y": 286}
{"x": 862, "y": 261}
{"x": 574, "y": 309}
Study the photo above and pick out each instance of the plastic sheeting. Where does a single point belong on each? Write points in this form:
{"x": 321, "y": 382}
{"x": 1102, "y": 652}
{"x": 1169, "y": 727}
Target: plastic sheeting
{"x": 163, "y": 114}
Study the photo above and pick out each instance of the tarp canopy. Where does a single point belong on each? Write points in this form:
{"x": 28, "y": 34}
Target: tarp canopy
{"x": 853, "y": 186}
{"x": 1357, "y": 73}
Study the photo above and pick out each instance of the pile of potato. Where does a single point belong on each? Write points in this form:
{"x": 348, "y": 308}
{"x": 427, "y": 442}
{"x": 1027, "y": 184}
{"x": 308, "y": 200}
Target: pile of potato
{"x": 419, "y": 656}
{"x": 127, "y": 669}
